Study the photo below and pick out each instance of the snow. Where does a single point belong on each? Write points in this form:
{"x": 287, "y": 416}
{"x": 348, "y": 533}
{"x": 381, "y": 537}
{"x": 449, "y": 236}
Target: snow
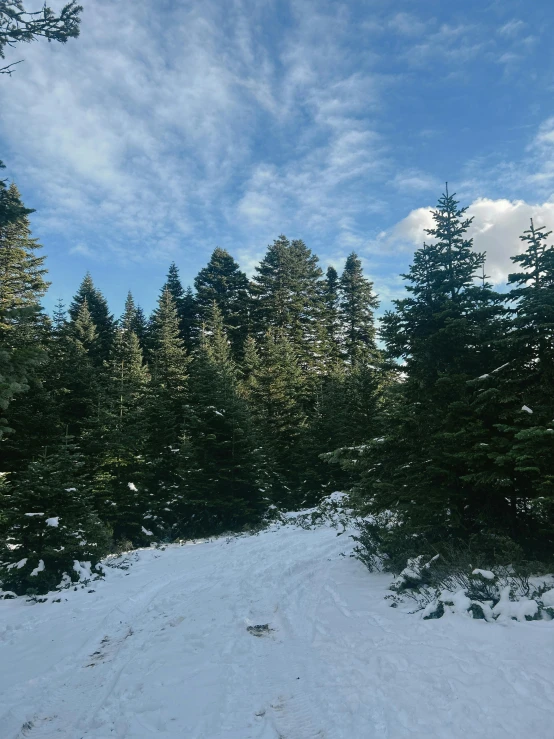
{"x": 145, "y": 531}
{"x": 507, "y": 609}
{"x": 163, "y": 649}
{"x": 548, "y": 598}
{"x": 38, "y": 568}
{"x": 82, "y": 569}
{"x": 54, "y": 521}
{"x": 34, "y": 514}
{"x": 487, "y": 574}
{"x": 526, "y": 409}
{"x": 18, "y": 565}
{"x": 132, "y": 486}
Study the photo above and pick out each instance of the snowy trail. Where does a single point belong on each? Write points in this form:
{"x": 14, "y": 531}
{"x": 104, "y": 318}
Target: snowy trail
{"x": 163, "y": 650}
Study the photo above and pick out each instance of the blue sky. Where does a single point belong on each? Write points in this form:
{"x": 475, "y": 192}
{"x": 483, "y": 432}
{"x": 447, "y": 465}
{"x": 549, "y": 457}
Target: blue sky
{"x": 169, "y": 128}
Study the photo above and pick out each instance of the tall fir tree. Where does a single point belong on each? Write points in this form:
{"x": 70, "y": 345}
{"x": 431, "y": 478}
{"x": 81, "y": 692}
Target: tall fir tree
{"x": 165, "y": 408}
{"x": 185, "y": 303}
{"x": 133, "y": 319}
{"x": 227, "y": 479}
{"x": 357, "y": 305}
{"x": 223, "y": 283}
{"x": 417, "y": 467}
{"x": 279, "y": 394}
{"x": 115, "y": 437}
{"x": 288, "y": 296}
{"x": 22, "y": 285}
{"x": 330, "y": 288}
{"x": 101, "y": 318}
{"x": 513, "y": 408}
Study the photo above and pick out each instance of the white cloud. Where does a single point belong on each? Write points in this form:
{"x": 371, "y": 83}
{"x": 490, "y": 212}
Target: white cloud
{"x": 496, "y": 228}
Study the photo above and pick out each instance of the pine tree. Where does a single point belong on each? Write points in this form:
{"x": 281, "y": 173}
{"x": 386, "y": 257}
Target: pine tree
{"x": 173, "y": 285}
{"x": 357, "y": 305}
{"x": 279, "y": 396}
{"x": 48, "y": 523}
{"x": 514, "y": 408}
{"x": 447, "y": 334}
{"x": 101, "y": 318}
{"x": 287, "y": 295}
{"x": 115, "y": 439}
{"x": 332, "y": 323}
{"x": 225, "y": 482}
{"x": 133, "y": 319}
{"x": 164, "y": 408}
{"x": 22, "y": 285}
{"x": 185, "y": 304}
{"x": 222, "y": 282}
{"x": 77, "y": 381}
{"x": 189, "y": 320}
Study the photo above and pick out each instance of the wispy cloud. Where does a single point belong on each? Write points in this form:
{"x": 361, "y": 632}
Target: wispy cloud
{"x": 169, "y": 128}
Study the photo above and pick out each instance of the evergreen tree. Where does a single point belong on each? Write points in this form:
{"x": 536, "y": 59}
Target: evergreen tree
{"x": 447, "y": 334}
{"x": 76, "y": 381}
{"x": 189, "y": 320}
{"x": 133, "y": 319}
{"x": 115, "y": 439}
{"x": 357, "y": 303}
{"x": 222, "y": 282}
{"x": 22, "y": 285}
{"x": 514, "y": 408}
{"x": 332, "y": 320}
{"x": 278, "y": 393}
{"x": 225, "y": 482}
{"x": 287, "y": 292}
{"x": 101, "y": 318}
{"x": 173, "y": 286}
{"x": 48, "y": 523}
{"x": 185, "y": 304}
{"x": 164, "y": 407}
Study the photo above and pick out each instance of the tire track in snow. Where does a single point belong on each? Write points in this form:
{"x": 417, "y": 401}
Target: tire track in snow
{"x": 59, "y": 714}
{"x": 288, "y": 667}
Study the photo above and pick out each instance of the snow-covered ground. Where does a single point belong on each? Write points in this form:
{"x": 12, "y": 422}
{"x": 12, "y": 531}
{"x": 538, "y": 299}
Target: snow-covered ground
{"x": 163, "y": 650}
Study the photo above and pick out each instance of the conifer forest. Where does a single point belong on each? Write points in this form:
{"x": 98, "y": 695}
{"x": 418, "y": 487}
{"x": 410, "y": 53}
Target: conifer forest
{"x": 237, "y": 397}
{"x": 279, "y": 462}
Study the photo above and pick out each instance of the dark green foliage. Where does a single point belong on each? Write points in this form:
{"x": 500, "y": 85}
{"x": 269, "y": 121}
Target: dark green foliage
{"x": 243, "y": 396}
{"x": 222, "y": 282}
{"x": 465, "y": 453}
{"x": 226, "y": 483}
{"x": 133, "y": 319}
{"x": 188, "y": 320}
{"x": 357, "y": 303}
{"x": 185, "y": 303}
{"x": 115, "y": 436}
{"x": 278, "y": 393}
{"x": 164, "y": 409}
{"x": 332, "y": 320}
{"x": 287, "y": 295}
{"x": 48, "y": 518}
{"x": 100, "y": 318}
{"x": 22, "y": 285}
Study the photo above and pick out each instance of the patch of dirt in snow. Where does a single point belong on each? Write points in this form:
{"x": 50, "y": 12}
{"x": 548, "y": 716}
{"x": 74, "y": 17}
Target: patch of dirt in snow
{"x": 165, "y": 649}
